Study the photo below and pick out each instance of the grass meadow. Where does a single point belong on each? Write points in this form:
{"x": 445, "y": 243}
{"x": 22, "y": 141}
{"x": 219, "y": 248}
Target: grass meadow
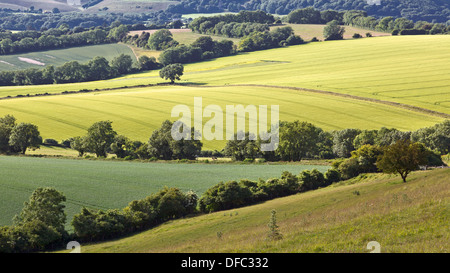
{"x": 104, "y": 184}
{"x": 401, "y": 217}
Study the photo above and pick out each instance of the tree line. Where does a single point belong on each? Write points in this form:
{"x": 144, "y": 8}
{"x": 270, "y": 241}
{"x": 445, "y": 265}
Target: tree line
{"x": 436, "y": 10}
{"x": 303, "y": 140}
{"x": 99, "y": 68}
{"x": 298, "y": 140}
{"x": 62, "y": 37}
{"x": 13, "y": 20}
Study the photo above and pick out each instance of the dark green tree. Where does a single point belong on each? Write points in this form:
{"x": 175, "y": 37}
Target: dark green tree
{"x": 122, "y": 64}
{"x": 172, "y": 72}
{"x": 402, "y": 157}
{"x": 24, "y": 136}
{"x": 161, "y": 40}
{"x": 99, "y": 138}
{"x": 333, "y": 31}
{"x": 7, "y": 123}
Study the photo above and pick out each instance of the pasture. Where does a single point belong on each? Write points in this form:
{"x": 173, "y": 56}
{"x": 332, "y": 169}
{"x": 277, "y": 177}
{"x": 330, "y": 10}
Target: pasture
{"x": 58, "y": 57}
{"x": 113, "y": 184}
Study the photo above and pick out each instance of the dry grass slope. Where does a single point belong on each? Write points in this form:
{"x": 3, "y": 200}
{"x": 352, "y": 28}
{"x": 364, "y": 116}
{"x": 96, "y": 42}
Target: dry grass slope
{"x": 402, "y": 217}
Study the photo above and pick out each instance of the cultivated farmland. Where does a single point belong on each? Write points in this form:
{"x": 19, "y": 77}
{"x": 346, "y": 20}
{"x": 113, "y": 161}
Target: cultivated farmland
{"x": 109, "y": 184}
{"x": 405, "y": 69}
{"x": 137, "y": 112}
{"x": 60, "y": 56}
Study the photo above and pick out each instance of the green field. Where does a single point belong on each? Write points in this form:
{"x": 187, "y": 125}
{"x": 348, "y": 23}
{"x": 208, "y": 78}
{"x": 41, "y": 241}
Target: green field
{"x": 404, "y": 69}
{"x": 137, "y": 112}
{"x": 402, "y": 217}
{"x": 60, "y": 56}
{"x": 113, "y": 184}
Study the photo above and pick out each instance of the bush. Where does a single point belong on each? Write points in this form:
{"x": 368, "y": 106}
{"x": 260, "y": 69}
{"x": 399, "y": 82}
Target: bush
{"x": 50, "y": 142}
{"x": 357, "y": 36}
{"x": 349, "y": 168}
{"x": 332, "y": 176}
{"x": 225, "y": 196}
{"x": 311, "y": 180}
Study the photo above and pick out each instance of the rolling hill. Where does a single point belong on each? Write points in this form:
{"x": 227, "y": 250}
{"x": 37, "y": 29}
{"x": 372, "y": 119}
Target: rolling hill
{"x": 349, "y": 84}
{"x": 401, "y": 217}
{"x": 58, "y": 57}
{"x": 45, "y": 5}
{"x": 110, "y": 184}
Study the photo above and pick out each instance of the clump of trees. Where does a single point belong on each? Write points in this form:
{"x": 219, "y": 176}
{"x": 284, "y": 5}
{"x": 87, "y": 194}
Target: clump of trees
{"x": 39, "y": 226}
{"x": 102, "y": 139}
{"x": 333, "y": 31}
{"x": 201, "y": 49}
{"x": 277, "y": 37}
{"x": 17, "y": 138}
{"x": 167, "y": 204}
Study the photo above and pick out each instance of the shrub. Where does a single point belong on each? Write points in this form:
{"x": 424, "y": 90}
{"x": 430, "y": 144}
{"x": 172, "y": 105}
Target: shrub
{"x": 332, "y": 176}
{"x": 225, "y": 196}
{"x": 349, "y": 168}
{"x": 357, "y": 36}
{"x": 311, "y": 180}
{"x": 50, "y": 142}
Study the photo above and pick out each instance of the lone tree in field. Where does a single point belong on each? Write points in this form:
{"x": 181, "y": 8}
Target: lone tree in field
{"x": 333, "y": 31}
{"x": 24, "y": 136}
{"x": 402, "y": 157}
{"x": 172, "y": 72}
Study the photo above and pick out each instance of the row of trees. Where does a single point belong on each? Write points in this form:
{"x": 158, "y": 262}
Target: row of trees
{"x": 98, "y": 68}
{"x": 165, "y": 205}
{"x": 19, "y": 21}
{"x": 101, "y": 139}
{"x": 299, "y": 140}
{"x": 399, "y": 25}
{"x": 49, "y": 41}
{"x": 436, "y": 10}
{"x": 232, "y": 194}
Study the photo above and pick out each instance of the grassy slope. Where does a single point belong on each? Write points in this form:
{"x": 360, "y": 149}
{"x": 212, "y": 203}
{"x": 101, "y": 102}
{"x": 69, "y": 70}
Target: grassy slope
{"x": 405, "y": 69}
{"x": 402, "y": 217}
{"x": 113, "y": 184}
{"x": 60, "y": 56}
{"x": 137, "y": 112}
